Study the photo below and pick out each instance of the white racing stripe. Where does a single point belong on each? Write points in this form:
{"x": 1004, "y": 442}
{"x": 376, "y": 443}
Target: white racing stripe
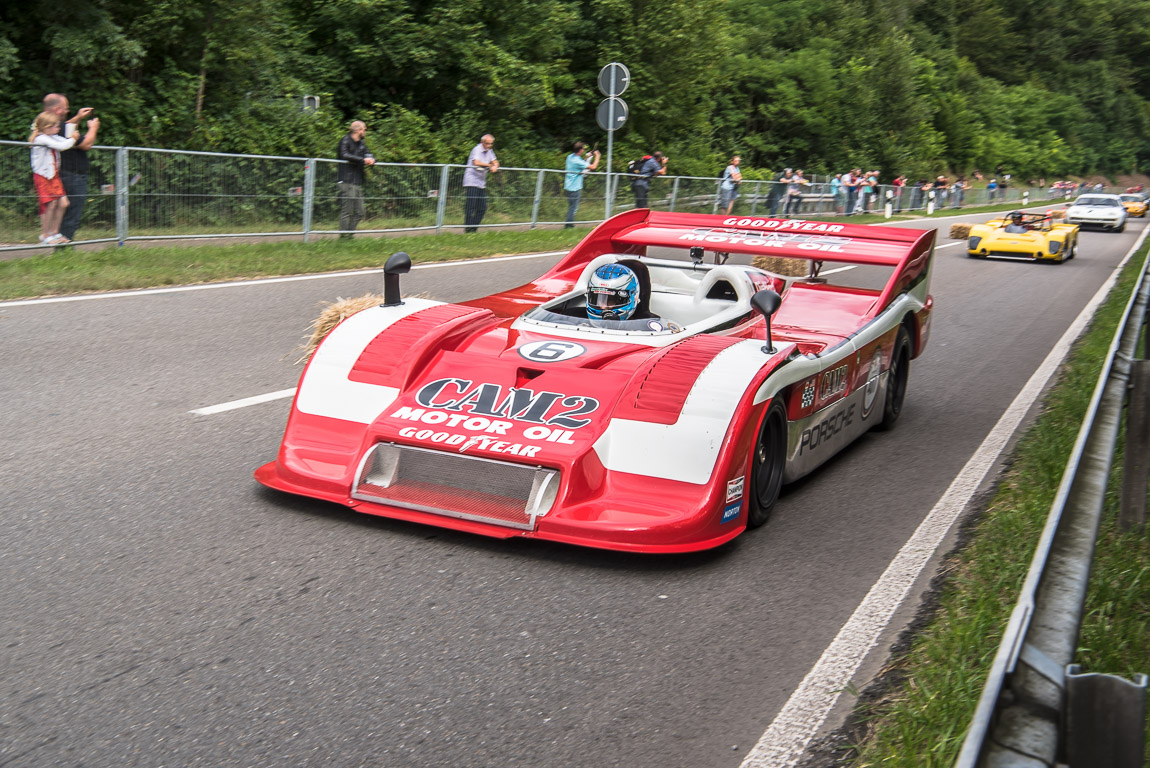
{"x": 807, "y": 709}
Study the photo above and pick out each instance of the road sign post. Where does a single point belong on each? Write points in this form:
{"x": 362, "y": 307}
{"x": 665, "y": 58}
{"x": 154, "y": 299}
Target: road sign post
{"x": 612, "y": 114}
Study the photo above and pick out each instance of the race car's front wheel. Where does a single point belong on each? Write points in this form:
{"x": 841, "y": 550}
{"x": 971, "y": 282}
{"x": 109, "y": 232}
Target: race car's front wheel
{"x": 896, "y": 379}
{"x": 767, "y": 465}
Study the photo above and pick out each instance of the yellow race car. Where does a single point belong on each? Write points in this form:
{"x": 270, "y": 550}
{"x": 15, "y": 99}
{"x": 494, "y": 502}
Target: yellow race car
{"x": 1135, "y": 205}
{"x": 1031, "y": 236}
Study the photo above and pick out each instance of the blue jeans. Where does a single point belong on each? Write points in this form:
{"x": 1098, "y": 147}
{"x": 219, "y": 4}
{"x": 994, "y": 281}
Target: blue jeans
{"x": 573, "y": 196}
{"x": 76, "y": 187}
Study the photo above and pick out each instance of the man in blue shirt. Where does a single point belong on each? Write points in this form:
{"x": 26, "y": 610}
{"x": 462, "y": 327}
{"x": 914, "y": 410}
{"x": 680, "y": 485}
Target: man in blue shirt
{"x": 481, "y": 160}
{"x": 577, "y": 167}
{"x": 653, "y": 165}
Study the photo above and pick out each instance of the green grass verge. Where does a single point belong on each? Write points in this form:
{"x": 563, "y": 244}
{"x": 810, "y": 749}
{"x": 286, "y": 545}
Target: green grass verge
{"x": 920, "y": 720}
{"x": 74, "y": 270}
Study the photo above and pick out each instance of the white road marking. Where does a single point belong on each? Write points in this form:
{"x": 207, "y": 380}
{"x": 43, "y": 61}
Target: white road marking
{"x": 804, "y": 713}
{"x": 261, "y": 281}
{"x": 245, "y": 402}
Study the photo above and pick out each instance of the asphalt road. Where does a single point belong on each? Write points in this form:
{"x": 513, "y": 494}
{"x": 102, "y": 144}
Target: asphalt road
{"x": 159, "y": 608}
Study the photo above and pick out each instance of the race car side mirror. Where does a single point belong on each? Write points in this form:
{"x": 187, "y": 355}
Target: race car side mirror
{"x": 696, "y": 254}
{"x": 397, "y": 264}
{"x": 766, "y": 303}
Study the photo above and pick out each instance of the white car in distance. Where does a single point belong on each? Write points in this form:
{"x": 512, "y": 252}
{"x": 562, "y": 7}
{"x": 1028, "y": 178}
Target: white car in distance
{"x": 1096, "y": 210}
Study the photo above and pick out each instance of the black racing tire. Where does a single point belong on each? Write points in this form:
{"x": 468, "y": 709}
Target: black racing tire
{"x": 1070, "y": 254}
{"x": 897, "y": 377}
{"x": 768, "y": 459}
{"x": 1123, "y": 227}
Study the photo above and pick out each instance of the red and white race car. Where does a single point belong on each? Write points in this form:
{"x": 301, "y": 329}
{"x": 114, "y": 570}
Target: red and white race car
{"x": 670, "y": 431}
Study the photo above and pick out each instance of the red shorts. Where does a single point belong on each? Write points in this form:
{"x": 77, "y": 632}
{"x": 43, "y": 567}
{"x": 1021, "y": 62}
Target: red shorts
{"x": 47, "y": 190}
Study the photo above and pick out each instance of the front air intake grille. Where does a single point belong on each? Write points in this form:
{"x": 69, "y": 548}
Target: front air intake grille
{"x": 1011, "y": 254}
{"x": 456, "y": 485}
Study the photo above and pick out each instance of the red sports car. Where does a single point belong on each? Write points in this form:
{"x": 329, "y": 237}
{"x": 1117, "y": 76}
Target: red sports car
{"x": 620, "y": 400}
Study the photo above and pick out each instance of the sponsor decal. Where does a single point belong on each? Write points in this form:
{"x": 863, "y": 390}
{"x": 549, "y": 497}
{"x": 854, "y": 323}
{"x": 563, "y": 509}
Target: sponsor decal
{"x": 465, "y": 442}
{"x": 820, "y": 434}
{"x": 872, "y": 383}
{"x": 809, "y": 394}
{"x": 783, "y": 224}
{"x": 833, "y": 382}
{"x": 730, "y": 512}
{"x": 551, "y": 351}
{"x": 774, "y": 239}
{"x": 467, "y": 415}
{"x": 735, "y": 489}
{"x": 521, "y": 404}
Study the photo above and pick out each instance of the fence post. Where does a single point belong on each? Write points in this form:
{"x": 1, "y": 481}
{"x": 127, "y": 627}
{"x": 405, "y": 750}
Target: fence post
{"x": 755, "y": 199}
{"x": 308, "y": 195}
{"x": 674, "y": 192}
{"x": 538, "y": 195}
{"x": 930, "y": 202}
{"x": 1026, "y": 198}
{"x": 888, "y": 211}
{"x": 718, "y": 196}
{"x": 121, "y": 194}
{"x": 441, "y": 204}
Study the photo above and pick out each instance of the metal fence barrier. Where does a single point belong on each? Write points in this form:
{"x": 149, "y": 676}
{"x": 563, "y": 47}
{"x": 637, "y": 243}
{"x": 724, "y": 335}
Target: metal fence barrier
{"x": 1038, "y": 709}
{"x": 138, "y": 193}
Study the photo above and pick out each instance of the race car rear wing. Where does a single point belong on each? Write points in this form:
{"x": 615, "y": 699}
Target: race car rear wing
{"x": 906, "y": 252}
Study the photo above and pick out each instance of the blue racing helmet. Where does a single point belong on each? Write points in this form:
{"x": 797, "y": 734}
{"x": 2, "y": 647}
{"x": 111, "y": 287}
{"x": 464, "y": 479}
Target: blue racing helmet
{"x": 612, "y": 293}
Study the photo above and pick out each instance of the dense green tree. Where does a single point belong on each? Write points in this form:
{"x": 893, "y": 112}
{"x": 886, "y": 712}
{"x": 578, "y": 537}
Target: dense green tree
{"x": 1039, "y": 87}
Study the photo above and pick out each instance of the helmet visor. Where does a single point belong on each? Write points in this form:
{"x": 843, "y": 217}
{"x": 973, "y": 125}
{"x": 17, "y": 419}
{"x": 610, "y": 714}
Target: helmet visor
{"x": 603, "y": 298}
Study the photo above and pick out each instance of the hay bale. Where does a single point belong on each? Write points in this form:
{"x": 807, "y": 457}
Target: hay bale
{"x": 959, "y": 231}
{"x": 1057, "y": 213}
{"x": 334, "y": 313}
{"x": 782, "y": 266}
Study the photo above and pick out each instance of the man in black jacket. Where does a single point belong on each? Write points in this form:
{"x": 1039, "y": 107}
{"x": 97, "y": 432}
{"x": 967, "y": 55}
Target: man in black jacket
{"x": 353, "y": 149}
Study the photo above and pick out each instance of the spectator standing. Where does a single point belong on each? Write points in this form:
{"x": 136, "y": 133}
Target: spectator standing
{"x": 916, "y": 192}
{"x": 353, "y": 149}
{"x": 795, "y": 192}
{"x": 838, "y": 193}
{"x": 74, "y": 163}
{"x": 46, "y": 175}
{"x": 729, "y": 186}
{"x": 958, "y": 191}
{"x": 940, "y": 187}
{"x": 869, "y": 190}
{"x": 654, "y": 164}
{"x": 577, "y": 167}
{"x": 480, "y": 162}
{"x": 852, "y": 182}
{"x": 778, "y": 189}
{"x": 899, "y": 184}
{"x": 991, "y": 190}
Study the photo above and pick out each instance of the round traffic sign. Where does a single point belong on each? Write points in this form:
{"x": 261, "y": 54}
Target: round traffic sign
{"x": 614, "y": 79}
{"x": 611, "y": 120}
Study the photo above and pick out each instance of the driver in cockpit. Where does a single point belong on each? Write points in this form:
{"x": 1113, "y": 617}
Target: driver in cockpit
{"x": 612, "y": 293}
{"x": 1016, "y": 226}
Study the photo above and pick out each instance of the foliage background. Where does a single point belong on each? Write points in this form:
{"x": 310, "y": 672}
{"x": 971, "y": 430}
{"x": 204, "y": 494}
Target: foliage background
{"x": 920, "y": 87}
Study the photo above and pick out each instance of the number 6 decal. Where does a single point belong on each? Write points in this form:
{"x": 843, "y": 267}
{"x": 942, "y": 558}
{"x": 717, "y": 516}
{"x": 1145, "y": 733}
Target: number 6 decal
{"x": 551, "y": 351}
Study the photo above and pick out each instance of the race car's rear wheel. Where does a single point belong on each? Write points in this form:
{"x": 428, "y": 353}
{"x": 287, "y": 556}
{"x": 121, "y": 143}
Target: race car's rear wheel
{"x": 767, "y": 465}
{"x": 1073, "y": 250}
{"x": 896, "y": 379}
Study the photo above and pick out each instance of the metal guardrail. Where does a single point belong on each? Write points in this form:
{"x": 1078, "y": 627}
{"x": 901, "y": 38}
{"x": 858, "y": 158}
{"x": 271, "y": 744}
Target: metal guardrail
{"x": 139, "y": 193}
{"x": 1037, "y": 708}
